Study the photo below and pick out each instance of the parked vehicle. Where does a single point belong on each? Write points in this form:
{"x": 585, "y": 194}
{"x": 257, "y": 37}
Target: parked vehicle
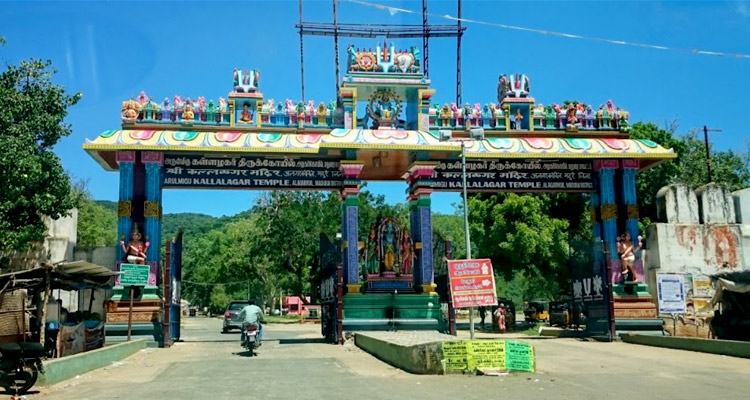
{"x": 535, "y": 310}
{"x": 560, "y": 313}
{"x": 231, "y": 313}
{"x": 251, "y": 342}
{"x": 20, "y": 365}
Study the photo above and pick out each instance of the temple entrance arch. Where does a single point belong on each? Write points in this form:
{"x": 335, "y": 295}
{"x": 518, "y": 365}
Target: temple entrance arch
{"x": 384, "y": 126}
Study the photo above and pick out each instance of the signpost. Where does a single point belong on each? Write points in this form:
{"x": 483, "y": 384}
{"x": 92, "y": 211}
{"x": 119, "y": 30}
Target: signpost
{"x": 671, "y": 293}
{"x": 472, "y": 283}
{"x": 133, "y": 275}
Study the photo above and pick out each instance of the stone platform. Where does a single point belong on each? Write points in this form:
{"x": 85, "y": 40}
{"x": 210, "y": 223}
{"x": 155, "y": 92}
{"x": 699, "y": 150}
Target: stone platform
{"x": 417, "y": 352}
{"x": 421, "y": 352}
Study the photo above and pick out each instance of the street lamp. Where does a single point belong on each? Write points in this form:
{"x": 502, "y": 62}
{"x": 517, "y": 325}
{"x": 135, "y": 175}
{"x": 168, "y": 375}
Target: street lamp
{"x": 447, "y": 136}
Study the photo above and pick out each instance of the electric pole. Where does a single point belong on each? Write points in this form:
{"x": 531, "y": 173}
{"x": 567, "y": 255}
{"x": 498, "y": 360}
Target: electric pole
{"x": 708, "y": 154}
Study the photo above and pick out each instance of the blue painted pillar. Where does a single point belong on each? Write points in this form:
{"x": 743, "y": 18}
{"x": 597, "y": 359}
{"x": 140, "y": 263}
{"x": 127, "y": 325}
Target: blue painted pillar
{"x": 629, "y": 198}
{"x": 126, "y": 162}
{"x": 175, "y": 270}
{"x": 608, "y": 211}
{"x": 596, "y": 226}
{"x": 154, "y": 164}
{"x": 350, "y": 224}
{"x": 419, "y": 178}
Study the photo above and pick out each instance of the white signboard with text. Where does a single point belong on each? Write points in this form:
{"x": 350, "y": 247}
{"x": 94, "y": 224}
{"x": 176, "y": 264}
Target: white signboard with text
{"x": 671, "y": 293}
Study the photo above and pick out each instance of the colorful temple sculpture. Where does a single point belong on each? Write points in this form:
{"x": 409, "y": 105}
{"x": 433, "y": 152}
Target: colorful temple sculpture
{"x": 384, "y": 126}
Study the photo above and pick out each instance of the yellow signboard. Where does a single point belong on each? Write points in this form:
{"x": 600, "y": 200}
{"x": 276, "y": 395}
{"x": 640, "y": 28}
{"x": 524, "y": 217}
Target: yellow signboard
{"x": 501, "y": 355}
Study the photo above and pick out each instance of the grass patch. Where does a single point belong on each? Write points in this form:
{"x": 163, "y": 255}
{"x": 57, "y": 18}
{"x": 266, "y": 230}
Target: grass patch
{"x": 281, "y": 319}
{"x": 528, "y": 328}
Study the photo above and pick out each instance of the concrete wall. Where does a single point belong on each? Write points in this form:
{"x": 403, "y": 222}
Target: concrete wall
{"x": 61, "y": 238}
{"x": 715, "y": 346}
{"x": 104, "y": 256}
{"x": 742, "y": 205}
{"x": 418, "y": 358}
{"x": 716, "y": 204}
{"x": 694, "y": 248}
{"x": 61, "y": 369}
{"x": 701, "y": 232}
{"x": 677, "y": 204}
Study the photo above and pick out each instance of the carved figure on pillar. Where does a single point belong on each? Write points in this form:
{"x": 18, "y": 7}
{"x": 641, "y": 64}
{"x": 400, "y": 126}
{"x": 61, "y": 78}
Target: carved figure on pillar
{"x": 135, "y": 250}
{"x": 627, "y": 250}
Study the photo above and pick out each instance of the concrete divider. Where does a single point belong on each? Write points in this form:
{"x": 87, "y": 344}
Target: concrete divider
{"x": 415, "y": 352}
{"x": 61, "y": 369}
{"x": 714, "y": 346}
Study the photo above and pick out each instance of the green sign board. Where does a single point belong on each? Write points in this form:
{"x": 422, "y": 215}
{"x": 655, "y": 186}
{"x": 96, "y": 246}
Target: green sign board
{"x": 134, "y": 275}
{"x": 503, "y": 355}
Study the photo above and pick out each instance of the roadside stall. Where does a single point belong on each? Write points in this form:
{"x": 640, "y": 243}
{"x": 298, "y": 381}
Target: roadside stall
{"x": 64, "y": 332}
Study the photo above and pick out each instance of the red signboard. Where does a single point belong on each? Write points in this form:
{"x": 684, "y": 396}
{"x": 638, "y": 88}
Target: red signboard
{"x": 472, "y": 283}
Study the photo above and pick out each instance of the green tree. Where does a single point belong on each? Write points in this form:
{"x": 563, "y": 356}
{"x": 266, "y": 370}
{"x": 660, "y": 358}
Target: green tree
{"x": 518, "y": 234}
{"x": 451, "y": 227}
{"x": 34, "y": 183}
{"x": 649, "y": 182}
{"x": 728, "y": 167}
{"x": 97, "y": 225}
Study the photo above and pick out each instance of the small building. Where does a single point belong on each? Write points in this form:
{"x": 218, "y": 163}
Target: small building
{"x": 295, "y": 306}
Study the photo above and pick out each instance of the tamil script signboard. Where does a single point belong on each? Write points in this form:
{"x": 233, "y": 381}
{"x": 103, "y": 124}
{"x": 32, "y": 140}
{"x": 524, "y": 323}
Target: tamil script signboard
{"x": 671, "y": 294}
{"x": 488, "y": 355}
{"x": 240, "y": 172}
{"x": 516, "y": 176}
{"x": 472, "y": 283}
{"x": 134, "y": 275}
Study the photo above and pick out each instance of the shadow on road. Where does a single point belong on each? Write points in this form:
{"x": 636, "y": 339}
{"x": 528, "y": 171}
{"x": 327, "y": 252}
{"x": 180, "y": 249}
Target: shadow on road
{"x": 302, "y": 341}
{"x": 11, "y": 392}
{"x": 246, "y": 353}
{"x": 209, "y": 341}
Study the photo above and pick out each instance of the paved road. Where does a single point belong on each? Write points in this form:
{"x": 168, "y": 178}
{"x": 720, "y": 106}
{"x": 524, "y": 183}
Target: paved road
{"x": 295, "y": 364}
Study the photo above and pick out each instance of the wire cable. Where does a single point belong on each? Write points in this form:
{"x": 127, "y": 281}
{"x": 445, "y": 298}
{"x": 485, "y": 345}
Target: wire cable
{"x": 394, "y": 10}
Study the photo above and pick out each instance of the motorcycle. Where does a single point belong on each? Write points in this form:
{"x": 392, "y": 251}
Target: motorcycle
{"x": 20, "y": 365}
{"x": 251, "y": 342}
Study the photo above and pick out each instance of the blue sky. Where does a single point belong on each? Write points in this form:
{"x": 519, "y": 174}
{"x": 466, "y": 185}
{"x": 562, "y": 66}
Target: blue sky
{"x": 111, "y": 51}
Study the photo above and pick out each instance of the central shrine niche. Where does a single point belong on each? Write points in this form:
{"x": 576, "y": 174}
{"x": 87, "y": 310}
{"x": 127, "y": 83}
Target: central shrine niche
{"x": 388, "y": 256}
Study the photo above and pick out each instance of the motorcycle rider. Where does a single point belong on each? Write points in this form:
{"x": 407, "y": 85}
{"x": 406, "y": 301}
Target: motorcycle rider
{"x": 251, "y": 314}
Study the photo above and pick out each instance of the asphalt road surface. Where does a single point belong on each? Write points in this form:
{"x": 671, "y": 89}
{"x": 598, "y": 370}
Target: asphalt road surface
{"x": 294, "y": 363}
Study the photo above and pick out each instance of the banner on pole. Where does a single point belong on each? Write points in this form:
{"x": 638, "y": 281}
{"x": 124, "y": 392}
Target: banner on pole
{"x": 472, "y": 283}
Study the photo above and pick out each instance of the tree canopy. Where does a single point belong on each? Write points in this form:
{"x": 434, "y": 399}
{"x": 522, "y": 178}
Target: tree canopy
{"x": 32, "y": 110}
{"x": 729, "y": 168}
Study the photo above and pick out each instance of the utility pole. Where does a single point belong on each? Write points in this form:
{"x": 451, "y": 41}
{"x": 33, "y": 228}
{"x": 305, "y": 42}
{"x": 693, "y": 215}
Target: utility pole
{"x": 474, "y": 134}
{"x": 466, "y": 228}
{"x": 708, "y": 154}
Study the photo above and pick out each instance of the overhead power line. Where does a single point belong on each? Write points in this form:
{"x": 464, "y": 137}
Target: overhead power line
{"x": 394, "y": 10}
